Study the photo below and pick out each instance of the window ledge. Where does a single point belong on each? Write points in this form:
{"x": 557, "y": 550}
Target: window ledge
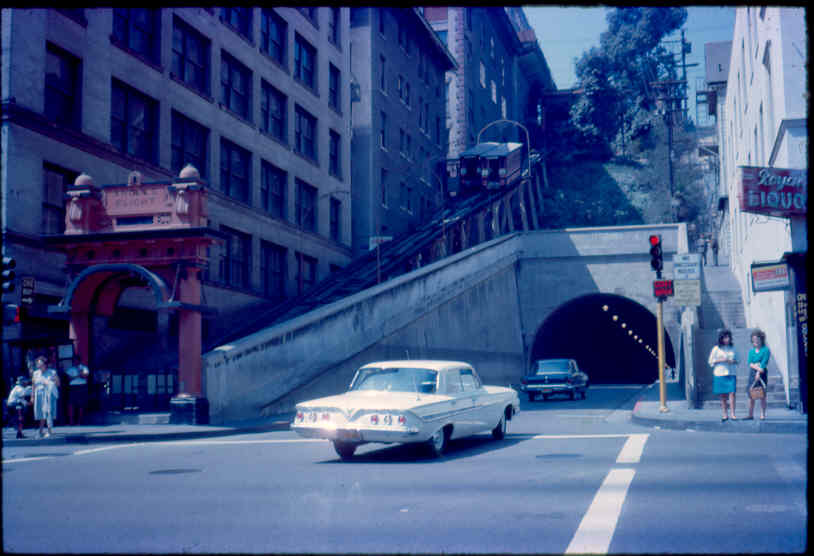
{"x": 304, "y": 85}
{"x": 307, "y": 158}
{"x": 236, "y": 115}
{"x": 186, "y": 85}
{"x": 139, "y": 56}
{"x": 237, "y": 31}
{"x": 281, "y": 142}
{"x": 280, "y": 65}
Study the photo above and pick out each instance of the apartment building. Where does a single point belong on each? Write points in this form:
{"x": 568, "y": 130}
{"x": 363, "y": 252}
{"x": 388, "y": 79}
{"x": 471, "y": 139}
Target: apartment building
{"x": 399, "y": 122}
{"x": 256, "y": 99}
{"x": 762, "y": 132}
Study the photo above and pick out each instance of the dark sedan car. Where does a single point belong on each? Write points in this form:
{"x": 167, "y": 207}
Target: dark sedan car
{"x": 555, "y": 376}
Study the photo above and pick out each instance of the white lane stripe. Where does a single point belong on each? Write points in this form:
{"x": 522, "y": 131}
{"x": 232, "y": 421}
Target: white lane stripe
{"x": 573, "y": 436}
{"x": 269, "y": 441}
{"x": 632, "y": 450}
{"x": 599, "y": 523}
{"x": 17, "y": 460}
{"x": 106, "y": 448}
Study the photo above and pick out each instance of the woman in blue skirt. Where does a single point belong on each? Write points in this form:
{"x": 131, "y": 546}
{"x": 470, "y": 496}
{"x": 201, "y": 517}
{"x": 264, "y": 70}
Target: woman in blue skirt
{"x": 724, "y": 362}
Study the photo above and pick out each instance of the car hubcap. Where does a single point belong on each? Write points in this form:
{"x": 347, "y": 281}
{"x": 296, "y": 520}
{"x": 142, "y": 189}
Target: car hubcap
{"x": 438, "y": 440}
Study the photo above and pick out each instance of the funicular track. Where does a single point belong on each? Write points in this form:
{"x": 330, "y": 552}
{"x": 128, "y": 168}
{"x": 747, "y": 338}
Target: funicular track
{"x": 463, "y": 222}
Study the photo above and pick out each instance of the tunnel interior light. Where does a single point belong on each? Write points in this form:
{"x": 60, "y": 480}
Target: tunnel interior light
{"x": 640, "y": 340}
{"x": 615, "y": 317}
{"x": 635, "y": 336}
{"x": 629, "y": 332}
{"x": 624, "y": 325}
{"x": 605, "y": 308}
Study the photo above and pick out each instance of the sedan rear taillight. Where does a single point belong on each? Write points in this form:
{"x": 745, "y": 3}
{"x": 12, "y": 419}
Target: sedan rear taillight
{"x": 299, "y": 417}
{"x": 524, "y": 380}
{"x": 374, "y": 419}
{"x": 402, "y": 420}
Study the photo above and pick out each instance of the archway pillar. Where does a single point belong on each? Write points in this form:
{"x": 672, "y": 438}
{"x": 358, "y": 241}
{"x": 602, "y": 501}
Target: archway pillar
{"x": 189, "y": 406}
{"x": 79, "y": 333}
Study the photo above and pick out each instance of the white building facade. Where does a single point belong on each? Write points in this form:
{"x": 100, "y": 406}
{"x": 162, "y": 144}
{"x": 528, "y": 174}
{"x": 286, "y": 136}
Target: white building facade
{"x": 762, "y": 123}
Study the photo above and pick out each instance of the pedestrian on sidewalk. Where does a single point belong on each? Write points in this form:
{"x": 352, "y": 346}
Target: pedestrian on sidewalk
{"x": 77, "y": 390}
{"x": 758, "y": 361}
{"x": 724, "y": 362}
{"x": 18, "y": 400}
{"x": 704, "y": 245}
{"x": 715, "y": 252}
{"x": 45, "y": 384}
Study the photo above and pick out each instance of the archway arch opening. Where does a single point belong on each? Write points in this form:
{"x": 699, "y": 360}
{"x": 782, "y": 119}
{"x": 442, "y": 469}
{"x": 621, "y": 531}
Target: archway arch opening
{"x": 612, "y": 338}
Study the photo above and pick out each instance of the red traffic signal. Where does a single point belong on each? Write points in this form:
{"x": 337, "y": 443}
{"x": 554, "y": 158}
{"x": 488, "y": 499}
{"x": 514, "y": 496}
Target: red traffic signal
{"x": 656, "y": 261}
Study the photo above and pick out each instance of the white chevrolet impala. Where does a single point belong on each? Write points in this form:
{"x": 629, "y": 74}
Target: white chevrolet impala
{"x": 410, "y": 401}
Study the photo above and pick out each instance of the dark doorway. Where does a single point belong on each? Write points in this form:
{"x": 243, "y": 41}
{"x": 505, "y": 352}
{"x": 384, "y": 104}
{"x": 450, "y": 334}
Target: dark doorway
{"x": 620, "y": 350}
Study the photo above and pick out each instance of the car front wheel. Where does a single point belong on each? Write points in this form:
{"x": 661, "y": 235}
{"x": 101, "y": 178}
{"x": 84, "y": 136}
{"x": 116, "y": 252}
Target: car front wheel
{"x": 437, "y": 443}
{"x": 344, "y": 449}
{"x": 499, "y": 432}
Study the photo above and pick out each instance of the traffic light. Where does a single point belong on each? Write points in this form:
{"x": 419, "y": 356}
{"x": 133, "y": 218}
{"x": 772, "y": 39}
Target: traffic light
{"x": 656, "y": 261}
{"x": 9, "y": 264}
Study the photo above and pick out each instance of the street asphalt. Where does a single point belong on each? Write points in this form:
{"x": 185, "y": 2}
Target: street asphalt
{"x": 647, "y": 412}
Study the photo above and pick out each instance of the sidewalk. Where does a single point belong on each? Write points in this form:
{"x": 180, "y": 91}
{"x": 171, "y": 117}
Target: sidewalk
{"x": 92, "y": 434}
{"x": 646, "y": 412}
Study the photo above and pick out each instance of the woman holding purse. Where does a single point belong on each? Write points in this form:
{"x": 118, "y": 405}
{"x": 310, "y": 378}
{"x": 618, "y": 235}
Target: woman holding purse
{"x": 758, "y": 361}
{"x": 723, "y": 361}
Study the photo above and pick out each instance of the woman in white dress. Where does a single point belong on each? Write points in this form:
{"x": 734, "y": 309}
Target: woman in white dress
{"x": 45, "y": 384}
{"x": 724, "y": 364}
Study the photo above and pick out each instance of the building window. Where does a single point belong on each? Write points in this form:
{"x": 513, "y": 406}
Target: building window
{"x": 55, "y": 183}
{"x": 189, "y": 144}
{"x": 305, "y": 57}
{"x": 336, "y": 206}
{"x": 409, "y": 200}
{"x": 494, "y": 92}
{"x": 240, "y": 19}
{"x": 443, "y": 36}
{"x": 273, "y": 34}
{"x": 382, "y": 75}
{"x": 381, "y": 20}
{"x": 306, "y": 202}
{"x": 77, "y": 14}
{"x": 407, "y": 93}
{"x": 334, "y": 88}
{"x": 235, "y": 258}
{"x": 438, "y": 130}
{"x": 335, "y": 158}
{"x": 235, "y": 171}
{"x": 333, "y": 26}
{"x": 273, "y": 269}
{"x": 62, "y": 87}
{"x": 482, "y": 75}
{"x": 273, "y": 110}
{"x": 383, "y": 187}
{"x": 139, "y": 30}
{"x": 305, "y": 133}
{"x": 190, "y": 56}
{"x": 383, "y": 131}
{"x": 503, "y": 108}
{"x": 236, "y": 85}
{"x": 306, "y": 272}
{"x": 273, "y": 187}
{"x": 133, "y": 122}
{"x": 403, "y": 37}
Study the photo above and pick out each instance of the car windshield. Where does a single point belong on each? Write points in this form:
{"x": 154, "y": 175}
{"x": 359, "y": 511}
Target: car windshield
{"x": 552, "y": 366}
{"x": 396, "y": 379}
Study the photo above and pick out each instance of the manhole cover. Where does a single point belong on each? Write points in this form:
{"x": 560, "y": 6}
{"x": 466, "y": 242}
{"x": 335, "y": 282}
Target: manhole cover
{"x": 174, "y": 471}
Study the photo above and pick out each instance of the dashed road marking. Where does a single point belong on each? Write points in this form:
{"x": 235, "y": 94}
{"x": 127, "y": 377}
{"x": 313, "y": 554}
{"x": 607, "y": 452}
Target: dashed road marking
{"x": 633, "y": 448}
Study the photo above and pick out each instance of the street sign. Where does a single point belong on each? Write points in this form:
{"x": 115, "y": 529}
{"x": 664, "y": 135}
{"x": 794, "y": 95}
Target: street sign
{"x": 27, "y": 290}
{"x": 687, "y": 266}
{"x": 687, "y": 292}
{"x": 662, "y": 288}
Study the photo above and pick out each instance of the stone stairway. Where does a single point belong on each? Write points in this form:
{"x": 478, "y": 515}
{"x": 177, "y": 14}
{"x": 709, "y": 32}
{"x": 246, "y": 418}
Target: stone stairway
{"x": 722, "y": 307}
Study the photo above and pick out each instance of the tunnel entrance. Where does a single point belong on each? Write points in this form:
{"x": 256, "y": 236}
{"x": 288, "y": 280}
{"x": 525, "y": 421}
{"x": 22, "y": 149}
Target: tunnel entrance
{"x": 612, "y": 338}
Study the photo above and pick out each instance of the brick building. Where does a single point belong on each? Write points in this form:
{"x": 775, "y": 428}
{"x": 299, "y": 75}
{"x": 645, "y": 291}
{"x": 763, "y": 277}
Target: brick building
{"x": 257, "y": 99}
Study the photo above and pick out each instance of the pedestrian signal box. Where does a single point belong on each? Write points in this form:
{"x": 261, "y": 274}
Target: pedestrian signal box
{"x": 662, "y": 288}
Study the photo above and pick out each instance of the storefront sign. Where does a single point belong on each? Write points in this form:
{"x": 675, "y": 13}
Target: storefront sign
{"x": 770, "y": 277}
{"x": 774, "y": 191}
{"x": 687, "y": 292}
{"x": 137, "y": 200}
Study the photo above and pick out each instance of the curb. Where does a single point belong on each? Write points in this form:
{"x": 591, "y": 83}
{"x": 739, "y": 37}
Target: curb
{"x": 757, "y": 426}
{"x": 99, "y": 438}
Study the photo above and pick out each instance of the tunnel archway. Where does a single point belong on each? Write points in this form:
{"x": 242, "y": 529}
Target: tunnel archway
{"x": 612, "y": 338}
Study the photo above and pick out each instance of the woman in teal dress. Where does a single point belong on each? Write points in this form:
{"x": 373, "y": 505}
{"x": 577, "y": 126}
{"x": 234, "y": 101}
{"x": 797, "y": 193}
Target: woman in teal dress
{"x": 758, "y": 362}
{"x": 724, "y": 363}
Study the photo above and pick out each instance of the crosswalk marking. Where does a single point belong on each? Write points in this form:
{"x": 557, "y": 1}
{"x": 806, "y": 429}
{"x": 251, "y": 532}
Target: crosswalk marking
{"x": 599, "y": 523}
{"x": 633, "y": 448}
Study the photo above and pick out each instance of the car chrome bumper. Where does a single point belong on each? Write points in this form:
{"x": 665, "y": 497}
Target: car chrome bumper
{"x": 383, "y": 434}
{"x": 549, "y": 387}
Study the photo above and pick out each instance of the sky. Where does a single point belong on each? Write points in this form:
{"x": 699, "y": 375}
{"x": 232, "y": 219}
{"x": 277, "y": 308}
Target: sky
{"x": 565, "y": 32}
